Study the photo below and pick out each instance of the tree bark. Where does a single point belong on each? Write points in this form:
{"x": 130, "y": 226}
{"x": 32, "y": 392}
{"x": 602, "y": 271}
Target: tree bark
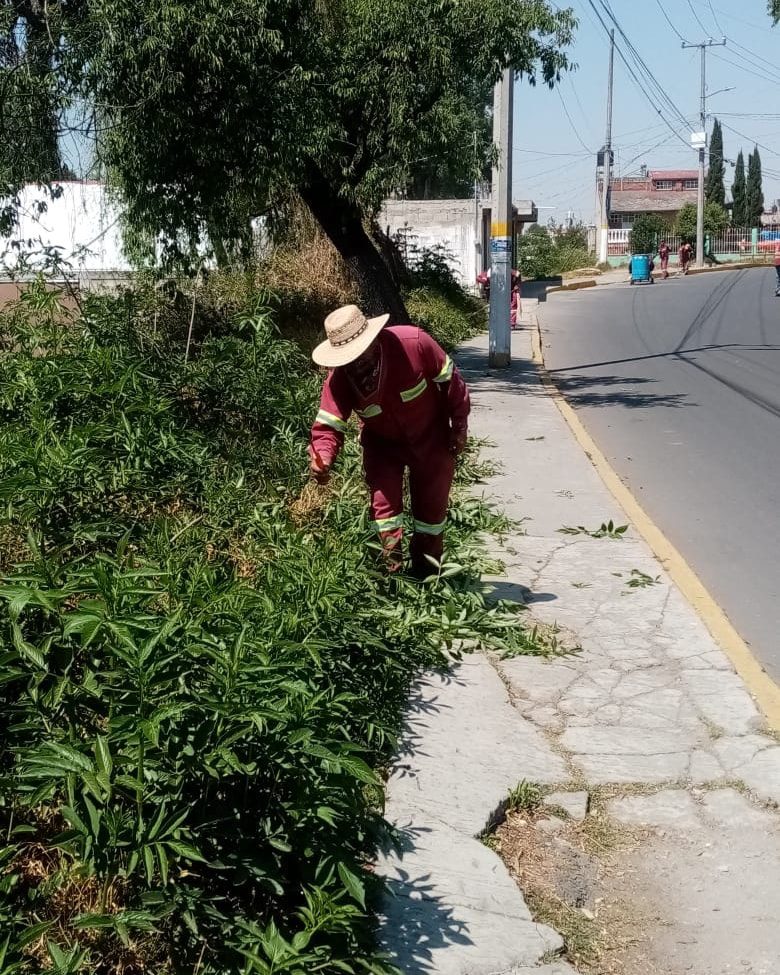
{"x": 342, "y": 222}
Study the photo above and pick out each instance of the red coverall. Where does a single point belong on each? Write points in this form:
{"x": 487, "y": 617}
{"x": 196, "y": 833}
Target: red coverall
{"x": 406, "y": 422}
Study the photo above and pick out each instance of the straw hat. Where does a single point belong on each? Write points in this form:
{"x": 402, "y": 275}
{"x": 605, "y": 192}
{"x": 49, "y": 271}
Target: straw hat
{"x": 349, "y": 333}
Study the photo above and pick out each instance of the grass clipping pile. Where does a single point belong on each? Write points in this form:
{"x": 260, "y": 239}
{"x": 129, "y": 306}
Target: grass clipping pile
{"x": 203, "y": 665}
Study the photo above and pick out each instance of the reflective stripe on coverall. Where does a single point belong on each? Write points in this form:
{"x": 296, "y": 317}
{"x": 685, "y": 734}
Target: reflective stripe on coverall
{"x": 405, "y": 423}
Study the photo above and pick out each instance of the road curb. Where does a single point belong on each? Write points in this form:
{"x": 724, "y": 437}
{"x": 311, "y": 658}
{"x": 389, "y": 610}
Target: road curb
{"x": 763, "y": 689}
{"x": 575, "y": 286}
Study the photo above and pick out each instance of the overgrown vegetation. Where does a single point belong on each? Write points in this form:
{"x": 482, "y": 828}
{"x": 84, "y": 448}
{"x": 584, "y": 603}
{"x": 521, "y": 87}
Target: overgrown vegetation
{"x": 203, "y": 666}
{"x": 544, "y": 252}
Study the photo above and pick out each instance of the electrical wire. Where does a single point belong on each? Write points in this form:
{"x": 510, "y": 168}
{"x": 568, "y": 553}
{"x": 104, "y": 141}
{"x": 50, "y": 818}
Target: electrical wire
{"x": 669, "y": 21}
{"x": 698, "y": 19}
{"x": 571, "y": 123}
{"x": 754, "y": 56}
{"x": 715, "y": 18}
{"x": 640, "y": 87}
{"x": 745, "y": 69}
{"x": 650, "y": 78}
{"x": 742, "y": 135}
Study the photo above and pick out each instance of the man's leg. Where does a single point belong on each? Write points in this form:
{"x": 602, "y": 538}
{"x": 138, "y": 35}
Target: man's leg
{"x": 384, "y": 470}
{"x": 430, "y": 481}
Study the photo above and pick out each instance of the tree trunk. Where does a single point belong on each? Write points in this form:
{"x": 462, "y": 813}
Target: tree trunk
{"x": 343, "y": 224}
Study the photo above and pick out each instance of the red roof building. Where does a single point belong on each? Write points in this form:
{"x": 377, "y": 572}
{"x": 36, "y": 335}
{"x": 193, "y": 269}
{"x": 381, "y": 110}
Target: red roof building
{"x": 660, "y": 191}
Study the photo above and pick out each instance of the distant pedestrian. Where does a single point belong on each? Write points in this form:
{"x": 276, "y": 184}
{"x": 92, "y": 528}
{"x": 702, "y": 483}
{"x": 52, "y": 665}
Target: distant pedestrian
{"x": 777, "y": 269}
{"x": 663, "y": 253}
{"x": 515, "y": 305}
{"x": 684, "y": 256}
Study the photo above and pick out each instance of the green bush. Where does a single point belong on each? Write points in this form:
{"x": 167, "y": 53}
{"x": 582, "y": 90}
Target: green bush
{"x": 202, "y": 667}
{"x": 715, "y": 220}
{"x": 646, "y": 231}
{"x": 448, "y": 313}
{"x": 541, "y": 254}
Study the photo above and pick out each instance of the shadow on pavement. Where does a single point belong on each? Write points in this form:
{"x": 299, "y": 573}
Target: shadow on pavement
{"x": 522, "y": 378}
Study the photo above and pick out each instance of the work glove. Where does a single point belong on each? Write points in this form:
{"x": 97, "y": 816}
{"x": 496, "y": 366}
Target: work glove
{"x": 458, "y": 438}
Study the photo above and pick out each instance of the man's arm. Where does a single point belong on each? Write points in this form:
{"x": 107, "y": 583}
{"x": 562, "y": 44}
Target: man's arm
{"x": 330, "y": 425}
{"x": 440, "y": 369}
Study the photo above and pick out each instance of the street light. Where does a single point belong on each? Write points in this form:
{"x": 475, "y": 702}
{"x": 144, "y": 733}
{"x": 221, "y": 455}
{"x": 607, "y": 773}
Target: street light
{"x": 720, "y": 91}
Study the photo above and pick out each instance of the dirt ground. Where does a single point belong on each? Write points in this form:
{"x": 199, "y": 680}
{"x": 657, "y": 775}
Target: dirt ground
{"x": 657, "y": 883}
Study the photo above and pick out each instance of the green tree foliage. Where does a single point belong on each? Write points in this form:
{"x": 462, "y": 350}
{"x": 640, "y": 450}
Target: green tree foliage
{"x": 450, "y": 175}
{"x": 738, "y": 191}
{"x": 29, "y": 94}
{"x": 714, "y": 186}
{"x": 645, "y": 233}
{"x": 209, "y": 119}
{"x": 715, "y": 220}
{"x": 754, "y": 193}
{"x": 774, "y": 10}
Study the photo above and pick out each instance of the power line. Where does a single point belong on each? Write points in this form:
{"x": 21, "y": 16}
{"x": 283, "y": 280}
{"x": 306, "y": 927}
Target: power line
{"x": 638, "y": 84}
{"x": 754, "y": 56}
{"x": 571, "y": 123}
{"x": 698, "y": 19}
{"x": 736, "y": 64}
{"x": 742, "y": 135}
{"x": 669, "y": 20}
{"x": 715, "y": 18}
{"x": 649, "y": 75}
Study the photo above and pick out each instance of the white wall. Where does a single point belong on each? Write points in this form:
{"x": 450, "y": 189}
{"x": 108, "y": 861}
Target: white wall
{"x": 82, "y": 222}
{"x": 433, "y": 223}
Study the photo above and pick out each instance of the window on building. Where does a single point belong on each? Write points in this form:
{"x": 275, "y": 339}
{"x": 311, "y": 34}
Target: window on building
{"x": 626, "y": 220}
{"x": 664, "y": 184}
{"x": 690, "y": 184}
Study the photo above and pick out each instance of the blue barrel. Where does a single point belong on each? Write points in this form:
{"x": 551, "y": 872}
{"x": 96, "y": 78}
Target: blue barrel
{"x": 640, "y": 267}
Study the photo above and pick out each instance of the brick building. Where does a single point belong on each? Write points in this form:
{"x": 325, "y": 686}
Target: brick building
{"x": 661, "y": 191}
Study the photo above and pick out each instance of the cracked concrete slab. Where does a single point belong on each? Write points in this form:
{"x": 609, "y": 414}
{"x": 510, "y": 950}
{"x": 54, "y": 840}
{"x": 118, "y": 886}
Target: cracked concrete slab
{"x": 464, "y": 747}
{"x": 648, "y": 699}
{"x": 459, "y": 915}
{"x": 453, "y": 909}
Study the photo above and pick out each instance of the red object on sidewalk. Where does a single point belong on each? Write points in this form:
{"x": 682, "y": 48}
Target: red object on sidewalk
{"x": 407, "y": 422}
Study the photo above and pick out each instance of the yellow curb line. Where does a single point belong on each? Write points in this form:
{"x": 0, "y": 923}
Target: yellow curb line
{"x": 764, "y": 690}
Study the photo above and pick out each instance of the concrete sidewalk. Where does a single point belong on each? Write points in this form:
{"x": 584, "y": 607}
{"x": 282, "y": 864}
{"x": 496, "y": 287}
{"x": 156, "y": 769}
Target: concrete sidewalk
{"x": 648, "y": 719}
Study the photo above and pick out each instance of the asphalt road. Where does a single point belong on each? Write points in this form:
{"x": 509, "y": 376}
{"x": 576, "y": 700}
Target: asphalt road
{"x": 679, "y": 385}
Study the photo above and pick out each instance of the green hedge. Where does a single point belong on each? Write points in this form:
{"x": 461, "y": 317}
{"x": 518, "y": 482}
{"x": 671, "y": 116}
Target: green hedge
{"x": 203, "y": 665}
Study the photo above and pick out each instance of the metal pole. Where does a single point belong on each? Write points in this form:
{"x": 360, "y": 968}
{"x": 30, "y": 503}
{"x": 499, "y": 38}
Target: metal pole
{"x": 606, "y": 169}
{"x": 500, "y": 332}
{"x": 702, "y": 149}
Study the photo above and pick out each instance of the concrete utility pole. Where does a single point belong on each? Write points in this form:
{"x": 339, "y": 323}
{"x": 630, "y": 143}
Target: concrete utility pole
{"x": 500, "y": 331}
{"x": 702, "y": 145}
{"x": 606, "y": 169}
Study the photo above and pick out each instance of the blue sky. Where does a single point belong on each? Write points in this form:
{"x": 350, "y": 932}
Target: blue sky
{"x": 554, "y": 161}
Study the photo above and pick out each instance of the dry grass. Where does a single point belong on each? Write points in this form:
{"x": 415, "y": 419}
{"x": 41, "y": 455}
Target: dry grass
{"x": 309, "y": 276}
{"x": 560, "y": 867}
{"x": 66, "y": 892}
{"x": 309, "y": 505}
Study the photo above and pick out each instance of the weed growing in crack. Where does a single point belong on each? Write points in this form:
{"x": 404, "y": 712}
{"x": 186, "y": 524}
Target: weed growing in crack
{"x": 524, "y": 796}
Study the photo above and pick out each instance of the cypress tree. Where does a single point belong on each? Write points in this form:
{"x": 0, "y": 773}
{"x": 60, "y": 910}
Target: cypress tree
{"x": 738, "y": 218}
{"x": 754, "y": 194}
{"x": 714, "y": 188}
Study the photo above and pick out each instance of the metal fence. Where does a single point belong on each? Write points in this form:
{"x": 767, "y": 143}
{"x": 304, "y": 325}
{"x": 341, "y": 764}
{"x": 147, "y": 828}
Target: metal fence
{"x": 731, "y": 241}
